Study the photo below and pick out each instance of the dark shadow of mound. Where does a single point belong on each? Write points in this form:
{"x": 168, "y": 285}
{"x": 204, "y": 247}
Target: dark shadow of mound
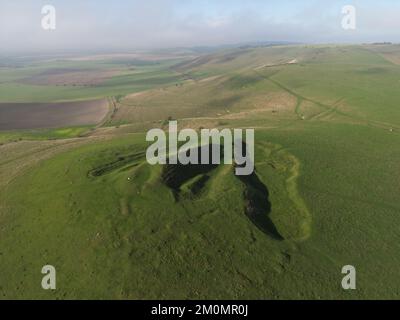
{"x": 258, "y": 207}
{"x": 256, "y": 196}
{"x": 195, "y": 176}
{"x": 175, "y": 175}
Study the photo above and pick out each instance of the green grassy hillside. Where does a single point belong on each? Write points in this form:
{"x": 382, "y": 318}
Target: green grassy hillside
{"x": 325, "y": 192}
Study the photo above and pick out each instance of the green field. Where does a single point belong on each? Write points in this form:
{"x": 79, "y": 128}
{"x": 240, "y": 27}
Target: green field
{"x": 131, "y": 76}
{"x": 325, "y": 192}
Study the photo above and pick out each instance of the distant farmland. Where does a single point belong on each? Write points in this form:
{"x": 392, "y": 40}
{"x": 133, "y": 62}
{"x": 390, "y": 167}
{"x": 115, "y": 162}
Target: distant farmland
{"x": 71, "y": 77}
{"x": 21, "y": 116}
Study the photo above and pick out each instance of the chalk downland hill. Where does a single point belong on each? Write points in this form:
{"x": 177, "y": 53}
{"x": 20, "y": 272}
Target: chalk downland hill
{"x": 324, "y": 194}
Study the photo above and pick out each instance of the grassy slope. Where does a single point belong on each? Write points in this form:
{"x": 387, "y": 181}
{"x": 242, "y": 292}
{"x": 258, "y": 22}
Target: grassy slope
{"x": 45, "y": 134}
{"x": 332, "y": 178}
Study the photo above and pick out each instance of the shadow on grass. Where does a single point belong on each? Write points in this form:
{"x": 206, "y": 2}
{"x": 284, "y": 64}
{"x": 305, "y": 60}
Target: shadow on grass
{"x": 258, "y": 206}
{"x": 256, "y": 194}
{"x": 175, "y": 175}
{"x": 256, "y": 197}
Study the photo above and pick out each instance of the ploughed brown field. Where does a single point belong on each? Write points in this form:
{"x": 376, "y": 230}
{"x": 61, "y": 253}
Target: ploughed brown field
{"x": 19, "y": 116}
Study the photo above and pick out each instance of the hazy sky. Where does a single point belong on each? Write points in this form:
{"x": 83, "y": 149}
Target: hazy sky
{"x": 130, "y": 24}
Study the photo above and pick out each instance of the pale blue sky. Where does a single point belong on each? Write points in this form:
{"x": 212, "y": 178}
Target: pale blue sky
{"x": 130, "y": 24}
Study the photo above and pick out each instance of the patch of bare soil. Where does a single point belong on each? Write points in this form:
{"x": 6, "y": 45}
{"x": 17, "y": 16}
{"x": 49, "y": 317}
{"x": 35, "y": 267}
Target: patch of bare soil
{"x": 20, "y": 116}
